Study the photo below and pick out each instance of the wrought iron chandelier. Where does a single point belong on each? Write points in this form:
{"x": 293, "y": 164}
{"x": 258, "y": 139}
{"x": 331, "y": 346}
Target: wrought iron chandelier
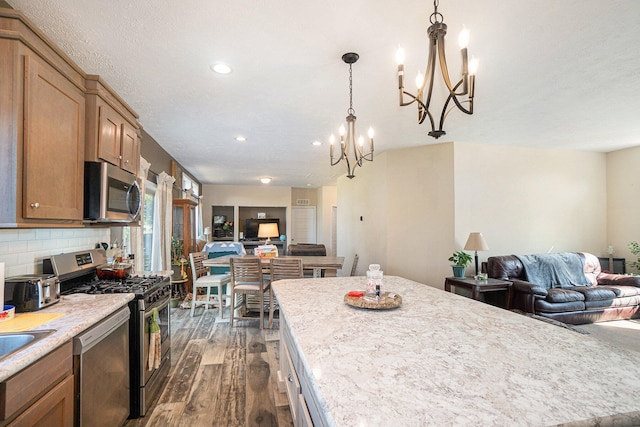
{"x": 436, "y": 32}
{"x": 348, "y": 144}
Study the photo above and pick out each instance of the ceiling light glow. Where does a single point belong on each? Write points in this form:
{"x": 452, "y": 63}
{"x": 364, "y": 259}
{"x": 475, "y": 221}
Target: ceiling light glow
{"x": 265, "y": 180}
{"x": 221, "y": 68}
{"x": 240, "y": 138}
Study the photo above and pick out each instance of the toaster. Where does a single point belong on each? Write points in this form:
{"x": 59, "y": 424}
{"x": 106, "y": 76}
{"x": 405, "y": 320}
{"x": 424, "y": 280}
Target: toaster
{"x": 31, "y": 292}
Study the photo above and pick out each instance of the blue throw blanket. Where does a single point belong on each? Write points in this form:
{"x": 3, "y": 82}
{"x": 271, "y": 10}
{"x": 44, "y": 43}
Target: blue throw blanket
{"x": 561, "y": 270}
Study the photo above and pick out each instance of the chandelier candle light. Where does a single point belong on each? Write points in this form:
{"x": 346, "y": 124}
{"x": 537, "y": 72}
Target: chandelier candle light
{"x": 436, "y": 32}
{"x": 348, "y": 142}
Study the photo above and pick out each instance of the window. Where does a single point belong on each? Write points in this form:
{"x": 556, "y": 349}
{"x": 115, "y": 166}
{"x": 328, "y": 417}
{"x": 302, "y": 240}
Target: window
{"x": 189, "y": 184}
{"x": 191, "y": 190}
{"x": 147, "y": 223}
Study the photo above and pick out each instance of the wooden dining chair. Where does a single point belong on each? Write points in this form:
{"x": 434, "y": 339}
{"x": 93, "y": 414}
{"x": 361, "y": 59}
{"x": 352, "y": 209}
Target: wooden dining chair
{"x": 203, "y": 279}
{"x": 247, "y": 279}
{"x": 285, "y": 268}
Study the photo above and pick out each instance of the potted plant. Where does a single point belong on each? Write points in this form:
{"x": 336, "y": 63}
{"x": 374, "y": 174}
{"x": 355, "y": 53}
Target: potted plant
{"x": 460, "y": 261}
{"x": 634, "y": 247}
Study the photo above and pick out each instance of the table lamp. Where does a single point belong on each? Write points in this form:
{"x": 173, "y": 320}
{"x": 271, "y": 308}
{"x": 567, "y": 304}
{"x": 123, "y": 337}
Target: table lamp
{"x": 476, "y": 243}
{"x": 268, "y": 230}
{"x": 207, "y": 234}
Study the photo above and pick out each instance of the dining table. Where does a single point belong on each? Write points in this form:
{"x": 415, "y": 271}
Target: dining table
{"x": 316, "y": 263}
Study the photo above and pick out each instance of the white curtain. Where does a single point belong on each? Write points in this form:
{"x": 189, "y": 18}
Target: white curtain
{"x": 199, "y": 225}
{"x": 162, "y": 224}
{"x": 137, "y": 238}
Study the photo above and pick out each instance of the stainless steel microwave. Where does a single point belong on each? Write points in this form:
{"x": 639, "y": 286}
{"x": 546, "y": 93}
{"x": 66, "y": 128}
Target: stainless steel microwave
{"x": 111, "y": 194}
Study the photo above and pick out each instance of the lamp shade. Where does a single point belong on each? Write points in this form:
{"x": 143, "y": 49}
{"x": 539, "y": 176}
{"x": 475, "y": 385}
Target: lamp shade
{"x": 476, "y": 242}
{"x": 269, "y": 229}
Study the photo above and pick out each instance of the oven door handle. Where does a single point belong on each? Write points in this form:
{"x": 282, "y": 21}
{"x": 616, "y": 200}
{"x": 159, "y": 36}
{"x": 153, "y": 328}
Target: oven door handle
{"x": 160, "y": 307}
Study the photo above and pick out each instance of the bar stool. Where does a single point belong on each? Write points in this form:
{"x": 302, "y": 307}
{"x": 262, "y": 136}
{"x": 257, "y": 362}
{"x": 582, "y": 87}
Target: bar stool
{"x": 202, "y": 279}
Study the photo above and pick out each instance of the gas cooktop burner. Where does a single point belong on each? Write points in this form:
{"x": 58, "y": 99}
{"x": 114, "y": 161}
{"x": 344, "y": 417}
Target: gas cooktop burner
{"x": 139, "y": 285}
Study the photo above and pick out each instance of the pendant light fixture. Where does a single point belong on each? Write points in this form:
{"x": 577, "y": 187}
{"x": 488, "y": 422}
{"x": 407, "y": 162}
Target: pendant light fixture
{"x": 465, "y": 87}
{"x": 351, "y": 151}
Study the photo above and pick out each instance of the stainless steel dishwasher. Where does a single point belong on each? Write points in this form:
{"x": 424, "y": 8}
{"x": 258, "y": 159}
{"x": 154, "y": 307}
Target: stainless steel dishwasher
{"x": 101, "y": 367}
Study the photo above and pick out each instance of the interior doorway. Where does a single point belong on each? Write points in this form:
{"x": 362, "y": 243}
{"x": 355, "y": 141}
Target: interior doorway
{"x": 303, "y": 224}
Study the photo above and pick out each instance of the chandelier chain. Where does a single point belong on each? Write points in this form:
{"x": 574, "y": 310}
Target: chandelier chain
{"x": 350, "y": 110}
{"x": 436, "y": 16}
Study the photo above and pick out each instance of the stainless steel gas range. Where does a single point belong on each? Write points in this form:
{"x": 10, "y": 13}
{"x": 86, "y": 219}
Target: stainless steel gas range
{"x": 77, "y": 274}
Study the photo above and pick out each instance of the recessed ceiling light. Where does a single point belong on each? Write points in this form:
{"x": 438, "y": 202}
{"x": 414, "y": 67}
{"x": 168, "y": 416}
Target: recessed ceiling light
{"x": 221, "y": 68}
{"x": 265, "y": 180}
{"x": 317, "y": 143}
{"x": 240, "y": 138}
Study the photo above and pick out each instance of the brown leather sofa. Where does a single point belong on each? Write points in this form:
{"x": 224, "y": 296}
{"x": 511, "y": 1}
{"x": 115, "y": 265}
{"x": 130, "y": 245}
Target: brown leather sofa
{"x": 307, "y": 249}
{"x": 568, "y": 287}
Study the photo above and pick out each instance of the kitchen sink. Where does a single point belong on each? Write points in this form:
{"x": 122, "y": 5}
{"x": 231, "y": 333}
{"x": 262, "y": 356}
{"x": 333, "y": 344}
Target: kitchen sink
{"x": 10, "y": 342}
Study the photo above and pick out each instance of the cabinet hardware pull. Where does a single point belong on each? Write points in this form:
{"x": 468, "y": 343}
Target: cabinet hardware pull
{"x": 290, "y": 378}
{"x": 35, "y": 205}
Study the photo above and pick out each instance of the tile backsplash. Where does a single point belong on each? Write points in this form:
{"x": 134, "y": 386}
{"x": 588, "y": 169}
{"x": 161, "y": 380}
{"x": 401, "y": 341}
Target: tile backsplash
{"x": 22, "y": 250}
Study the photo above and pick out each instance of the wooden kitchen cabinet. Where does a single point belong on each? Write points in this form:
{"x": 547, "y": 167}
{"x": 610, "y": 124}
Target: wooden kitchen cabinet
{"x": 42, "y": 129}
{"x": 41, "y": 394}
{"x": 112, "y": 127}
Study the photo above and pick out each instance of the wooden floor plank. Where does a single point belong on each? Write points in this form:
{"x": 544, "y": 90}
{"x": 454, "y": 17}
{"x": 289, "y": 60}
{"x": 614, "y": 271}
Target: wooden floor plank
{"x": 204, "y": 395}
{"x": 260, "y": 408}
{"x": 216, "y": 345}
{"x": 179, "y": 386}
{"x": 205, "y": 324}
{"x": 166, "y": 414}
{"x": 255, "y": 341}
{"x": 232, "y": 398}
{"x": 273, "y": 358}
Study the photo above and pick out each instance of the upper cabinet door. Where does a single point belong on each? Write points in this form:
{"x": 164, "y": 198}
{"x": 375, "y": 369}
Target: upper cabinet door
{"x": 130, "y": 148}
{"x": 109, "y": 135}
{"x": 53, "y": 163}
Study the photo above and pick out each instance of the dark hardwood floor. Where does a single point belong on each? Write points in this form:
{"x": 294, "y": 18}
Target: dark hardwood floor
{"x": 220, "y": 376}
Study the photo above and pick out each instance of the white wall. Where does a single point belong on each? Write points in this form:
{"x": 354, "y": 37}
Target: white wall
{"x": 623, "y": 201}
{"x": 22, "y": 250}
{"x": 527, "y": 200}
{"x": 327, "y": 199}
{"x": 420, "y": 204}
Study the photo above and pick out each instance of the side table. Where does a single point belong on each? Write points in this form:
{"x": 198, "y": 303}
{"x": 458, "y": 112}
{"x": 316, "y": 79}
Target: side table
{"x": 477, "y": 287}
{"x": 177, "y": 287}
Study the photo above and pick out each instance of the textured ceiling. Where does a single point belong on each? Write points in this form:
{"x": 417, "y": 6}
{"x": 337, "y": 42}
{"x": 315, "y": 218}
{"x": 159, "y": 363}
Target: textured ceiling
{"x": 551, "y": 75}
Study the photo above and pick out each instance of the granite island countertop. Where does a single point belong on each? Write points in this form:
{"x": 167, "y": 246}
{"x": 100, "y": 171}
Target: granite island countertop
{"x": 443, "y": 359}
{"x": 81, "y": 311}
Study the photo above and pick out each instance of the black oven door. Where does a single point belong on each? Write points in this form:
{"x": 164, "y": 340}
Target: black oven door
{"x": 165, "y": 337}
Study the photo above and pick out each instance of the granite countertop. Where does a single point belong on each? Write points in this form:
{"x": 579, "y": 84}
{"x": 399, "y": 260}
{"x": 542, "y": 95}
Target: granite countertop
{"x": 443, "y": 359}
{"x": 81, "y": 311}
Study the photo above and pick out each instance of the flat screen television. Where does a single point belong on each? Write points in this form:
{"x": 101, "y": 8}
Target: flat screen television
{"x": 251, "y": 226}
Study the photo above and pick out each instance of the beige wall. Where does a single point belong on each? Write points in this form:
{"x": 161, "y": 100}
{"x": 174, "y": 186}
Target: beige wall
{"x": 623, "y": 201}
{"x": 310, "y": 194}
{"x": 522, "y": 200}
{"x": 362, "y": 216}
